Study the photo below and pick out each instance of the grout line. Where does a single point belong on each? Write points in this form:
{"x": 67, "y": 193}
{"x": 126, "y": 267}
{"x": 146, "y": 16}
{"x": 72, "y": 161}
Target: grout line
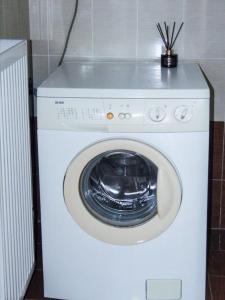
{"x": 210, "y": 288}
{"x": 137, "y": 28}
{"x": 217, "y": 228}
{"x": 48, "y": 33}
{"x": 217, "y": 276}
{"x": 215, "y": 179}
{"x": 92, "y": 28}
{"x": 220, "y": 251}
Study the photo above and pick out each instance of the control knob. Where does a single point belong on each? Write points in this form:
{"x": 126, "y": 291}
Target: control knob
{"x": 157, "y": 114}
{"x": 183, "y": 113}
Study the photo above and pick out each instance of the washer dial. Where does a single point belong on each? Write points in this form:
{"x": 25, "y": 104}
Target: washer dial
{"x": 183, "y": 113}
{"x": 157, "y": 113}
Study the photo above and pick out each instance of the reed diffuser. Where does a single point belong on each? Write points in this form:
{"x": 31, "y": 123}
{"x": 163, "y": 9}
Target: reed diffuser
{"x": 169, "y": 59}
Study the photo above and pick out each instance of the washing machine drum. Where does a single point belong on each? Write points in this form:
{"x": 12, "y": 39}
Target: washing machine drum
{"x": 119, "y": 188}
{"x": 122, "y": 191}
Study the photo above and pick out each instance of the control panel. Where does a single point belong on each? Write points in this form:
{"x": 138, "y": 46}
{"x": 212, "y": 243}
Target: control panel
{"x": 123, "y": 114}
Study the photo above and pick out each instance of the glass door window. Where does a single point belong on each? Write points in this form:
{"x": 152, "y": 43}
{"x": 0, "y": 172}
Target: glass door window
{"x": 119, "y": 188}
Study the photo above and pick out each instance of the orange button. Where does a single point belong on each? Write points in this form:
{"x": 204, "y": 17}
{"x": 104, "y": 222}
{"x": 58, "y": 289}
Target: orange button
{"x": 110, "y": 116}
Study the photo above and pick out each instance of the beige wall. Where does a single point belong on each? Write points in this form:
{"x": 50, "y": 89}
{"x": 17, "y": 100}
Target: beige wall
{"x": 14, "y": 19}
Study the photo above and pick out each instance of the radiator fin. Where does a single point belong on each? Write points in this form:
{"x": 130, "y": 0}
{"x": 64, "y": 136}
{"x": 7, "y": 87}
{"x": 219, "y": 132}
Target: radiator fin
{"x": 16, "y": 214}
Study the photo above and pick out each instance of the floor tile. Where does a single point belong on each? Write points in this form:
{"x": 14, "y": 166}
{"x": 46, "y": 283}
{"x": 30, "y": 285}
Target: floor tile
{"x": 216, "y": 150}
{"x": 208, "y": 291}
{"x": 222, "y": 239}
{"x": 214, "y": 203}
{"x": 35, "y": 289}
{"x": 214, "y": 239}
{"x": 223, "y": 207}
{"x": 218, "y": 287}
{"x": 217, "y": 263}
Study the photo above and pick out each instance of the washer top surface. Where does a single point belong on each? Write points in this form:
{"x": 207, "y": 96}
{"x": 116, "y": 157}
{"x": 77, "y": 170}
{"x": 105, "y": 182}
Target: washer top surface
{"x": 125, "y": 79}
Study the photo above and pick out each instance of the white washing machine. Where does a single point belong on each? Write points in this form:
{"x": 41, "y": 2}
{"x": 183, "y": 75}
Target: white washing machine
{"x": 123, "y": 159}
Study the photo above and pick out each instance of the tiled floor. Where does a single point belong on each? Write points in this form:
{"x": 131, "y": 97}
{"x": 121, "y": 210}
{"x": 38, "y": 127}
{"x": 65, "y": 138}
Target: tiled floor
{"x": 217, "y": 288}
{"x": 216, "y": 275}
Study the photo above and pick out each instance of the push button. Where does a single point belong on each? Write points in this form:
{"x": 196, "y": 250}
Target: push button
{"x": 110, "y": 116}
{"x": 121, "y": 116}
{"x": 127, "y": 116}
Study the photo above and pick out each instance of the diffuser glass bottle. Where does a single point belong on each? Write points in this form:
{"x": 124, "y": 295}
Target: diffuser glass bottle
{"x": 169, "y": 59}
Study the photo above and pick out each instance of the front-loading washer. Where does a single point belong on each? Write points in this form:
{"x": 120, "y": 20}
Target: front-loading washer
{"x": 123, "y": 161}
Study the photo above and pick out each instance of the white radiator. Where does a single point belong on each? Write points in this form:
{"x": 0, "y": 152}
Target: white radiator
{"x": 16, "y": 214}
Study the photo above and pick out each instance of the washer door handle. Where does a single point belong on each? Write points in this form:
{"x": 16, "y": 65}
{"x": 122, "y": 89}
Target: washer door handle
{"x": 168, "y": 192}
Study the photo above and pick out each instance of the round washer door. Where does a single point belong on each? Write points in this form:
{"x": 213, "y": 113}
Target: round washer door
{"x": 122, "y": 191}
